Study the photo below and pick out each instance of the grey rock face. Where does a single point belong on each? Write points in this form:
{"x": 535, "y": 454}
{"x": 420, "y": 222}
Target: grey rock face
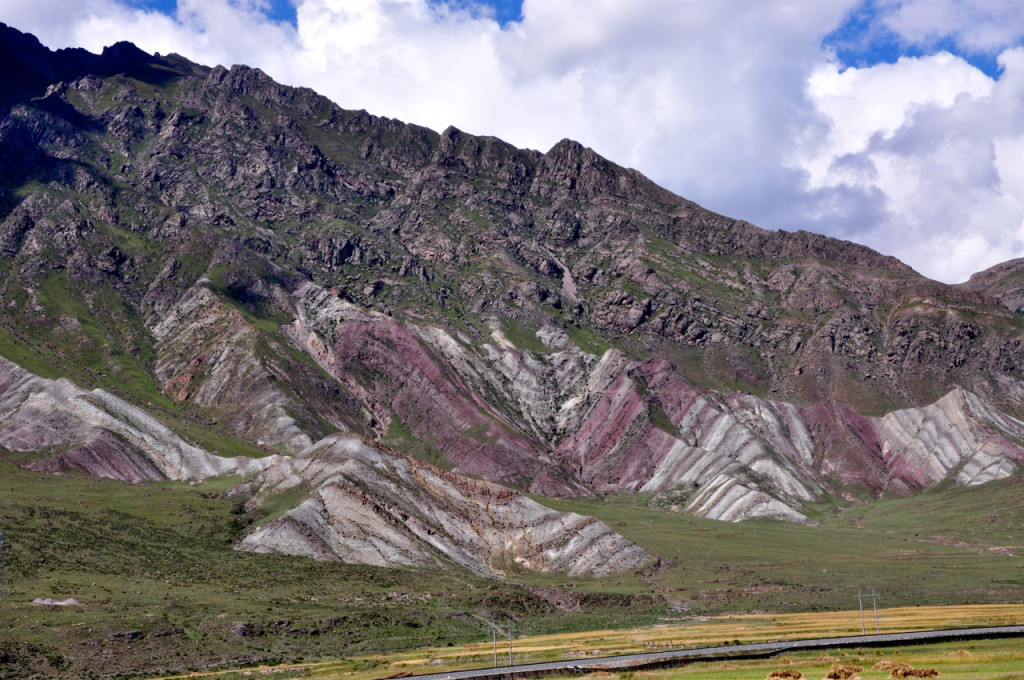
{"x": 99, "y": 434}
{"x": 370, "y": 506}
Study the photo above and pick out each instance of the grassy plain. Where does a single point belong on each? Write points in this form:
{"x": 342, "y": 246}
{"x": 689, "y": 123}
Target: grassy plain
{"x": 161, "y": 588}
{"x": 953, "y": 546}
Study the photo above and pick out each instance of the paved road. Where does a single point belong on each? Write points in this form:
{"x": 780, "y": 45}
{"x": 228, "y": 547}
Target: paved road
{"x": 748, "y": 651}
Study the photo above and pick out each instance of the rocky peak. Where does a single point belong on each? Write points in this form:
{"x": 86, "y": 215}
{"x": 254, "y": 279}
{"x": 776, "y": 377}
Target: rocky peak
{"x": 29, "y": 67}
{"x": 1005, "y": 282}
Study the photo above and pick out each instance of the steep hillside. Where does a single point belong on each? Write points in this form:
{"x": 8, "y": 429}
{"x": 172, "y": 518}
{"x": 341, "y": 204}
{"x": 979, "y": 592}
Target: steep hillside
{"x": 261, "y": 270}
{"x": 1005, "y": 282}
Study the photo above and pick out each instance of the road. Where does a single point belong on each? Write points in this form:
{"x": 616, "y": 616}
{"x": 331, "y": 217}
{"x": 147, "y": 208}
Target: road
{"x": 758, "y": 650}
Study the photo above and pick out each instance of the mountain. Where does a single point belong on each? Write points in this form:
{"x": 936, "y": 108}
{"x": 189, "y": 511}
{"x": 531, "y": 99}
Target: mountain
{"x": 1004, "y": 281}
{"x": 252, "y": 270}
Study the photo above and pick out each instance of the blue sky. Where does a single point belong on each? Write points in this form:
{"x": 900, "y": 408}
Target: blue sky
{"x": 503, "y": 11}
{"x": 862, "y": 40}
{"x": 276, "y": 10}
{"x": 859, "y": 41}
{"x": 893, "y": 123}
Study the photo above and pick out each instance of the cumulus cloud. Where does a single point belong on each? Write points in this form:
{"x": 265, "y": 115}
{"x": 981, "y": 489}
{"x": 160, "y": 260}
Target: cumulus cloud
{"x": 736, "y": 105}
{"x": 940, "y": 143}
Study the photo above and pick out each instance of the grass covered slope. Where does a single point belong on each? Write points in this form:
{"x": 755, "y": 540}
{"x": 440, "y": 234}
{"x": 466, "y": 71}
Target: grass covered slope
{"x": 942, "y": 547}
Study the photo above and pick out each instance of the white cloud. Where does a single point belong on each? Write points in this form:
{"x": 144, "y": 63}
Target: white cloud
{"x": 861, "y": 103}
{"x": 732, "y": 104}
{"x": 940, "y": 143}
{"x": 985, "y": 26}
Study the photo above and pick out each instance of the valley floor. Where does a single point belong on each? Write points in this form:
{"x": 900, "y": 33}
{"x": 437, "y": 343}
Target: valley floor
{"x": 161, "y": 590}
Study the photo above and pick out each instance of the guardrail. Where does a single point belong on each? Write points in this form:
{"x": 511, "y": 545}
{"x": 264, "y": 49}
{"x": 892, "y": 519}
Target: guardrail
{"x": 756, "y": 650}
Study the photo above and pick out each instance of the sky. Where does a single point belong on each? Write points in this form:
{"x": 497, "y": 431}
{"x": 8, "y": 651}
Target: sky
{"x": 898, "y": 124}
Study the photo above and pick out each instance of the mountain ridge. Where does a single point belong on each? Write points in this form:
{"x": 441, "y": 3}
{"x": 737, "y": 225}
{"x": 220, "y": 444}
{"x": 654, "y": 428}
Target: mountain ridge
{"x": 251, "y": 261}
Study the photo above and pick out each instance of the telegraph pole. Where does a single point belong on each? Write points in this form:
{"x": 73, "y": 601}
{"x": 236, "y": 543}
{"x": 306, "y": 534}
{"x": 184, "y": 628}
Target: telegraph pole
{"x": 874, "y": 597}
{"x": 861, "y": 603}
{"x": 510, "y": 642}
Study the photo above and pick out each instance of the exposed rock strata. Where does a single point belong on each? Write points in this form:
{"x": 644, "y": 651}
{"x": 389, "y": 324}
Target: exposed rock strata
{"x": 207, "y": 354}
{"x": 98, "y": 434}
{"x": 620, "y": 425}
{"x": 959, "y": 437}
{"x": 285, "y": 269}
{"x": 389, "y": 367}
{"x": 370, "y": 506}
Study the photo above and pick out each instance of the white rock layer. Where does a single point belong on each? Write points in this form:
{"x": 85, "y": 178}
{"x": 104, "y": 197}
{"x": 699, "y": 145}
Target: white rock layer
{"x": 112, "y": 438}
{"x": 370, "y": 506}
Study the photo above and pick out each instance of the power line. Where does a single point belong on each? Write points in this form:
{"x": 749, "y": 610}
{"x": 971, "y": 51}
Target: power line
{"x": 495, "y": 629}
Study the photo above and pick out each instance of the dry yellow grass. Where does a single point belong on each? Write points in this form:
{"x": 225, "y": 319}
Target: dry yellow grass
{"x": 691, "y": 632}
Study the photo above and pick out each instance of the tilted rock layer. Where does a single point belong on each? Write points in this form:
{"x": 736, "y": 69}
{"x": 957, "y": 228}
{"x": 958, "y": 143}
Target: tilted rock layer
{"x": 96, "y": 433}
{"x": 300, "y": 277}
{"x": 370, "y": 506}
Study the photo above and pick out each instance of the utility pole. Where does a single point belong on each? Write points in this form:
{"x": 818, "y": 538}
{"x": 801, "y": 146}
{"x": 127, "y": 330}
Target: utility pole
{"x": 874, "y": 597}
{"x": 861, "y": 603}
{"x": 494, "y": 638}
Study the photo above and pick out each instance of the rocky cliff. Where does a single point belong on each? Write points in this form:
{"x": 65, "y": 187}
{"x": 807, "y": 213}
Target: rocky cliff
{"x": 257, "y": 262}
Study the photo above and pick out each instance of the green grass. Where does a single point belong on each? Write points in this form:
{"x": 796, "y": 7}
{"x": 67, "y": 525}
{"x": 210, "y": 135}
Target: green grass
{"x": 25, "y": 355}
{"x": 162, "y": 589}
{"x": 401, "y": 439}
{"x": 661, "y": 420}
{"x": 280, "y": 503}
{"x": 955, "y": 658}
{"x": 83, "y": 335}
{"x": 587, "y": 340}
{"x": 941, "y": 548}
{"x": 520, "y": 334}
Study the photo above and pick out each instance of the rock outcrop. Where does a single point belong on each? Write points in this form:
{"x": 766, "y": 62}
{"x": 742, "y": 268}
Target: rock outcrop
{"x": 98, "y": 434}
{"x": 207, "y": 354}
{"x": 371, "y": 506}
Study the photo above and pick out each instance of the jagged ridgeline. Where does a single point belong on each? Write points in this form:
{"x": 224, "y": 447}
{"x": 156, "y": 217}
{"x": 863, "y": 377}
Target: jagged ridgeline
{"x": 202, "y": 264}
